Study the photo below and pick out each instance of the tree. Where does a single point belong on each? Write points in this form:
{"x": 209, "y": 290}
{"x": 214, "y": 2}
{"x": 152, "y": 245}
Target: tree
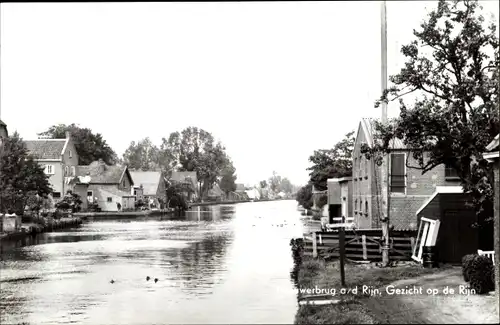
{"x": 286, "y": 186}
{"x": 228, "y": 180}
{"x": 304, "y": 196}
{"x": 275, "y": 182}
{"x": 20, "y": 176}
{"x": 71, "y": 201}
{"x": 143, "y": 155}
{"x": 194, "y": 149}
{"x": 332, "y": 163}
{"x": 175, "y": 195}
{"x": 455, "y": 113}
{"x": 263, "y": 184}
{"x": 89, "y": 146}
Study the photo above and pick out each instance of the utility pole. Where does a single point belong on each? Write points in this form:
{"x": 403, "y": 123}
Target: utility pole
{"x": 385, "y": 172}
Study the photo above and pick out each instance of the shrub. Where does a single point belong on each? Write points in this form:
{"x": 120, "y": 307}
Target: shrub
{"x": 480, "y": 272}
{"x": 466, "y": 262}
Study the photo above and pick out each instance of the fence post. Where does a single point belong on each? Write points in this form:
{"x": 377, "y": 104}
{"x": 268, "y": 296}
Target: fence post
{"x": 363, "y": 239}
{"x": 315, "y": 248}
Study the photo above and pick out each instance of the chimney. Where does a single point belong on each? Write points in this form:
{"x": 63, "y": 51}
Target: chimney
{"x": 101, "y": 166}
{"x": 68, "y": 134}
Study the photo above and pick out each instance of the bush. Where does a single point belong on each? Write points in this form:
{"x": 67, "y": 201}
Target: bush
{"x": 479, "y": 271}
{"x": 466, "y": 261}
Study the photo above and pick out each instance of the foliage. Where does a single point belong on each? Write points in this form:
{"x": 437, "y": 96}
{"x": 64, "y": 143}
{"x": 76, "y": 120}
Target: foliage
{"x": 286, "y": 186}
{"x": 297, "y": 245}
{"x": 228, "y": 180}
{"x": 322, "y": 201}
{"x": 194, "y": 149}
{"x": 263, "y": 184}
{"x": 452, "y": 70}
{"x": 275, "y": 182}
{"x": 304, "y": 196}
{"x": 139, "y": 203}
{"x": 71, "y": 201}
{"x": 20, "y": 176}
{"x": 175, "y": 195}
{"x": 466, "y": 262}
{"x": 479, "y": 271}
{"x": 143, "y": 155}
{"x": 89, "y": 146}
{"x": 332, "y": 163}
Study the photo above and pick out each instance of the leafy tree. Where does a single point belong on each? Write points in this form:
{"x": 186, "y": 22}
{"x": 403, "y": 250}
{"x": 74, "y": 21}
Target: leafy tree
{"x": 175, "y": 195}
{"x": 263, "y": 184}
{"x": 194, "y": 149}
{"x": 71, "y": 201}
{"x": 90, "y": 147}
{"x": 332, "y": 163}
{"x": 304, "y": 196}
{"x": 275, "y": 182}
{"x": 286, "y": 186}
{"x": 228, "y": 180}
{"x": 20, "y": 176}
{"x": 452, "y": 69}
{"x": 143, "y": 155}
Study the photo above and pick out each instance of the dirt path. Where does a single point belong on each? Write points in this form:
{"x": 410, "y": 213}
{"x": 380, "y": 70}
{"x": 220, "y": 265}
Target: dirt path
{"x": 451, "y": 308}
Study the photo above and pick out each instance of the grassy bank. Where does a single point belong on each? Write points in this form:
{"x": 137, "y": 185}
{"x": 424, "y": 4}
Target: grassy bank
{"x": 351, "y": 310}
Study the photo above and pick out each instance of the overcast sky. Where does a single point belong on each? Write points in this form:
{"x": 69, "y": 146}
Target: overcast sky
{"x": 272, "y": 80}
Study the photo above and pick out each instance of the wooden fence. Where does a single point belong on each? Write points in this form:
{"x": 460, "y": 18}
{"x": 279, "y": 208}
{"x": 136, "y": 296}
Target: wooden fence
{"x": 360, "y": 245}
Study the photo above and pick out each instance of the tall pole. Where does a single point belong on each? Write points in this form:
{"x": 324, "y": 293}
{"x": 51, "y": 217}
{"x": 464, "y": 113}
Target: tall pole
{"x": 385, "y": 163}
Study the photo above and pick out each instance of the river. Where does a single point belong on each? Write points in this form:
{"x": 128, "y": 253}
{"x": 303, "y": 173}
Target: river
{"x": 218, "y": 264}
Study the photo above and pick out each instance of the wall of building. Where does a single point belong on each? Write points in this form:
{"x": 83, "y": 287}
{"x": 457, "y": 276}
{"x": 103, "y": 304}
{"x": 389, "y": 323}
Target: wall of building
{"x": 101, "y": 198}
{"x": 57, "y": 179}
{"x": 69, "y": 160}
{"x": 82, "y": 191}
{"x": 497, "y": 232}
{"x": 126, "y": 184}
{"x": 346, "y": 197}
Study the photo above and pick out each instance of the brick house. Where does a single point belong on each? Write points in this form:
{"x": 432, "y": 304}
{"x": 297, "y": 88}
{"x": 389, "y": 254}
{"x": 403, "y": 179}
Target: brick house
{"x": 153, "y": 187}
{"x": 408, "y": 187}
{"x": 109, "y": 186}
{"x": 59, "y": 159}
{"x": 493, "y": 157}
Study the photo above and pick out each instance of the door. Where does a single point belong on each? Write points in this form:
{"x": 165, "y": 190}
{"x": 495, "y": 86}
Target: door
{"x": 335, "y": 212}
{"x": 457, "y": 237}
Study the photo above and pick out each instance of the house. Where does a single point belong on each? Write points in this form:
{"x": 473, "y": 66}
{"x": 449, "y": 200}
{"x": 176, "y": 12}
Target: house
{"x": 189, "y": 179}
{"x": 340, "y": 199}
{"x": 3, "y": 131}
{"x": 493, "y": 157}
{"x": 215, "y": 193}
{"x": 109, "y": 186}
{"x": 59, "y": 159}
{"x": 153, "y": 187}
{"x": 408, "y": 188}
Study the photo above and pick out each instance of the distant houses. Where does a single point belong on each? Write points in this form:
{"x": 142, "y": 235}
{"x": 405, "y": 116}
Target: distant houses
{"x": 189, "y": 179}
{"x": 150, "y": 187}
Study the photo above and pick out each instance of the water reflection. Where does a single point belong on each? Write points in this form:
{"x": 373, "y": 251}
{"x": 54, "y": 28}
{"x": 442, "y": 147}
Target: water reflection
{"x": 216, "y": 264}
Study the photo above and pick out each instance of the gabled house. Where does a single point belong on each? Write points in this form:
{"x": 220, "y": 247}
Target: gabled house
{"x": 408, "y": 188}
{"x": 59, "y": 159}
{"x": 153, "y": 187}
{"x": 3, "y": 131}
{"x": 109, "y": 186}
{"x": 215, "y": 193}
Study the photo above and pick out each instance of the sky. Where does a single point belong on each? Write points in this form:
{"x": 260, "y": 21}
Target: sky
{"x": 273, "y": 81}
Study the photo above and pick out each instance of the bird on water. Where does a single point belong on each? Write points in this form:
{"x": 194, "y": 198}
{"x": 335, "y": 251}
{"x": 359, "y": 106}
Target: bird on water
{"x": 112, "y": 281}
{"x": 156, "y": 280}
{"x": 148, "y": 278}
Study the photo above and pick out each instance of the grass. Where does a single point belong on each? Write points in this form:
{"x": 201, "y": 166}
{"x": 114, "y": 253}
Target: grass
{"x": 318, "y": 273}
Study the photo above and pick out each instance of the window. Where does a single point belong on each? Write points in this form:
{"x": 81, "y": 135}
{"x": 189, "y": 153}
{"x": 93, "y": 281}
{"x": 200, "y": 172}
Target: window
{"x": 90, "y": 193}
{"x": 56, "y": 195}
{"x": 366, "y": 208}
{"x": 398, "y": 177}
{"x": 49, "y": 169}
{"x": 73, "y": 171}
{"x": 135, "y": 192}
{"x": 355, "y": 206}
{"x": 70, "y": 154}
{"x": 66, "y": 171}
{"x": 355, "y": 167}
{"x": 450, "y": 172}
{"x": 110, "y": 199}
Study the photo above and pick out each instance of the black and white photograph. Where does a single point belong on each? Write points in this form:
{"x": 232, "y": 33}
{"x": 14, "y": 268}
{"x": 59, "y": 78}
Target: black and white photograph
{"x": 250, "y": 162}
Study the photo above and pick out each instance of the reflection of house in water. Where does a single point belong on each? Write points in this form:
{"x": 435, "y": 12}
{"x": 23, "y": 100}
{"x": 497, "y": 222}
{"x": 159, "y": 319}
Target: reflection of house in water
{"x": 210, "y": 213}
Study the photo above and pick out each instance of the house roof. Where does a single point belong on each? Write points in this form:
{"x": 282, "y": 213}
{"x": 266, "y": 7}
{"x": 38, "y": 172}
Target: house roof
{"x": 215, "y": 191}
{"x": 114, "y": 191}
{"x": 149, "y": 180}
{"x": 440, "y": 190}
{"x": 240, "y": 187}
{"x": 368, "y": 127}
{"x": 46, "y": 148}
{"x": 2, "y": 123}
{"x": 100, "y": 173}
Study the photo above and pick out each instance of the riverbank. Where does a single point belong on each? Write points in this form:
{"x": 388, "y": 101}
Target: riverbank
{"x": 348, "y": 307}
{"x": 200, "y": 204}
{"x": 31, "y": 229}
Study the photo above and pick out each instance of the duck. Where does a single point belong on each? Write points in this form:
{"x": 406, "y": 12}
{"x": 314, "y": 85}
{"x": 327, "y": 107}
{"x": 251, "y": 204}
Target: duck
{"x": 112, "y": 281}
{"x": 148, "y": 278}
{"x": 156, "y": 280}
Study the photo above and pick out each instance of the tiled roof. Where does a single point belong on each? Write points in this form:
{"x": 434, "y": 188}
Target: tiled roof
{"x": 149, "y": 181}
{"x": 115, "y": 191}
{"x": 368, "y": 125}
{"x": 100, "y": 173}
{"x": 46, "y": 148}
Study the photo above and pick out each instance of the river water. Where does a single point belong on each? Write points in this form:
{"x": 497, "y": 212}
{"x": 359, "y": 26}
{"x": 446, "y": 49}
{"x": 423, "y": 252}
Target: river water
{"x": 218, "y": 264}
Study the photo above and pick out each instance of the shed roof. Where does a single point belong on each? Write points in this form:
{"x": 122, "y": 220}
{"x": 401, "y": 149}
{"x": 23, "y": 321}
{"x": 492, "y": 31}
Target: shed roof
{"x": 440, "y": 190}
{"x": 150, "y": 181}
{"x": 46, "y": 148}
